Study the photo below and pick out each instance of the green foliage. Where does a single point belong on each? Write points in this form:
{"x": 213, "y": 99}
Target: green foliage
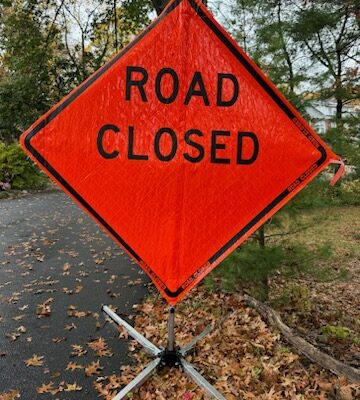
{"x": 108, "y": 37}
{"x": 250, "y": 266}
{"x": 336, "y": 332}
{"x": 294, "y": 297}
{"x": 27, "y": 68}
{"x": 300, "y": 259}
{"x": 345, "y": 141}
{"x": 17, "y": 170}
{"x": 319, "y": 194}
{"x": 329, "y": 33}
{"x": 47, "y": 48}
{"x": 312, "y": 42}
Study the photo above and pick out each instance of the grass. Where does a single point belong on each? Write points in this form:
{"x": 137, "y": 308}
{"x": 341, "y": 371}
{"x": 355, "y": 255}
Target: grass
{"x": 338, "y": 227}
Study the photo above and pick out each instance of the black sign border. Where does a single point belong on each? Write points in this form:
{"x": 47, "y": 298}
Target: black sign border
{"x": 258, "y": 77}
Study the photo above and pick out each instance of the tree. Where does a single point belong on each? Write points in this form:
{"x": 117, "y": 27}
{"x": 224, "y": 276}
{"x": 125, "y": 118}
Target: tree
{"x": 159, "y": 5}
{"x": 329, "y": 31}
{"x": 94, "y": 30}
{"x": 276, "y": 51}
{"x": 26, "y": 66}
{"x": 47, "y": 48}
{"x": 263, "y": 29}
{"x": 115, "y": 27}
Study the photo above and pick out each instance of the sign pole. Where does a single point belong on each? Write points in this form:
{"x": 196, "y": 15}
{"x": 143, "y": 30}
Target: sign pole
{"x": 171, "y": 330}
{"x": 171, "y": 356}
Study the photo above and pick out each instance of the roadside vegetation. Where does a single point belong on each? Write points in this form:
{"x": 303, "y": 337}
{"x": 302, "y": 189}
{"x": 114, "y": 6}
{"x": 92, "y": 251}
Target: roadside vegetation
{"x": 17, "y": 171}
{"x": 308, "y": 271}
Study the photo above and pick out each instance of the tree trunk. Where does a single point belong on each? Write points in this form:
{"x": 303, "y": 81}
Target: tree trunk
{"x": 291, "y": 79}
{"x": 339, "y": 107}
{"x": 261, "y": 239}
{"x": 261, "y": 236}
{"x": 159, "y": 5}
{"x": 115, "y": 27}
{"x": 338, "y": 86}
{"x": 304, "y": 347}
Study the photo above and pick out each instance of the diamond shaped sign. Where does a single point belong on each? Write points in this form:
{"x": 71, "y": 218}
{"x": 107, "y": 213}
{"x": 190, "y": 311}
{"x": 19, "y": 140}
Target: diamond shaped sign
{"x": 179, "y": 147}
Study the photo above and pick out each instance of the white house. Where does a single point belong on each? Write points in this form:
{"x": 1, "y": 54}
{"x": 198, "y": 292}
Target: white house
{"x": 322, "y": 113}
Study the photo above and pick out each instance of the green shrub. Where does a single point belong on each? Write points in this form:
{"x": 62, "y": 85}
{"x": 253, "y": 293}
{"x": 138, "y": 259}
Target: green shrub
{"x": 319, "y": 193}
{"x": 336, "y": 332}
{"x": 250, "y": 266}
{"x": 294, "y": 297}
{"x": 17, "y": 171}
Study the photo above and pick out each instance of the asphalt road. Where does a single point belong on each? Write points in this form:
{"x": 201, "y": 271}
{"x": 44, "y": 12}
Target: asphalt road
{"x": 51, "y": 253}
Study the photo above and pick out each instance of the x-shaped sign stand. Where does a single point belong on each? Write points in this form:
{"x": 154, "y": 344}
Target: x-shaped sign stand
{"x": 171, "y": 356}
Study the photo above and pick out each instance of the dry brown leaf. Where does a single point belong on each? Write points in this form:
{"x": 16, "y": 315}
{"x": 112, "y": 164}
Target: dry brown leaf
{"x": 72, "y": 387}
{"x": 72, "y": 366}
{"x": 73, "y": 312}
{"x": 35, "y": 361}
{"x": 100, "y": 347}
{"x": 12, "y": 395}
{"x": 93, "y": 369}
{"x": 45, "y": 388}
{"x": 78, "y": 289}
{"x": 12, "y": 336}
{"x": 44, "y": 309}
{"x": 59, "y": 339}
{"x": 98, "y": 344}
{"x": 104, "y": 353}
{"x": 22, "y": 329}
{"x": 66, "y": 267}
{"x": 19, "y": 317}
{"x": 70, "y": 327}
{"x": 78, "y": 350}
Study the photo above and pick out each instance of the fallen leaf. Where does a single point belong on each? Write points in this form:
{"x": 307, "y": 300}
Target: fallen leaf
{"x": 45, "y": 388}
{"x": 19, "y": 317}
{"x": 12, "y": 395}
{"x": 35, "y": 361}
{"x": 12, "y": 336}
{"x": 44, "y": 309}
{"x": 72, "y": 387}
{"x": 72, "y": 366}
{"x": 78, "y": 350}
{"x": 59, "y": 339}
{"x": 93, "y": 369}
{"x": 70, "y": 327}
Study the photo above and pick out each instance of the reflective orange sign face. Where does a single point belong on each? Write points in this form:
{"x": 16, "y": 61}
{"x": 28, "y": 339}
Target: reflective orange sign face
{"x": 179, "y": 147}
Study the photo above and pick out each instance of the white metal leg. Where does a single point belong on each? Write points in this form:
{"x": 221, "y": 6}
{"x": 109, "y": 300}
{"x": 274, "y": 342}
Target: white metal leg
{"x": 201, "y": 381}
{"x": 185, "y": 349}
{"x": 139, "y": 380}
{"x": 171, "y": 356}
{"x": 148, "y": 346}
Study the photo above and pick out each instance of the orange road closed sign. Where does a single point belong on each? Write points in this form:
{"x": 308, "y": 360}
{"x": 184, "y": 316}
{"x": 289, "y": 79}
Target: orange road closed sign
{"x": 179, "y": 147}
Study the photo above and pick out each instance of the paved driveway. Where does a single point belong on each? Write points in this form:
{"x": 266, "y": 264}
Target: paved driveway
{"x": 57, "y": 268}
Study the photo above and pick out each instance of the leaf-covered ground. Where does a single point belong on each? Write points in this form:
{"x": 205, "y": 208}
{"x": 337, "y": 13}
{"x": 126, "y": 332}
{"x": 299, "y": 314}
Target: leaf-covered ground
{"x": 243, "y": 358}
{"x": 324, "y": 305}
{"x": 57, "y": 268}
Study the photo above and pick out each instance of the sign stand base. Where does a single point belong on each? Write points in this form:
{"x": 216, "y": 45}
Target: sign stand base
{"x": 171, "y": 356}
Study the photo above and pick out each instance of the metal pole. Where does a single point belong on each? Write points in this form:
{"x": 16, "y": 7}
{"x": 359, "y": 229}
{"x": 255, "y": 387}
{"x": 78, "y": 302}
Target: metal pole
{"x": 171, "y": 327}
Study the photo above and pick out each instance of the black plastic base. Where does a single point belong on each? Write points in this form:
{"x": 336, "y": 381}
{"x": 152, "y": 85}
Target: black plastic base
{"x": 170, "y": 358}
